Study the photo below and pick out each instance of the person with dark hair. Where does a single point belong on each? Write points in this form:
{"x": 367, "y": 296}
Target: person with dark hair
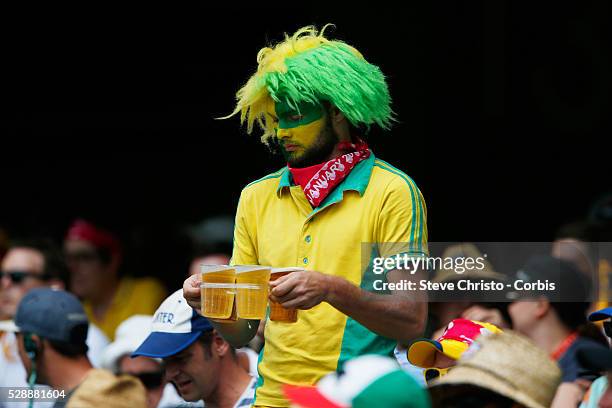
{"x": 94, "y": 258}
{"x": 150, "y": 371}
{"x": 586, "y": 244}
{"x": 51, "y": 328}
{"x": 200, "y": 363}
{"x": 31, "y": 264}
{"x": 555, "y": 319}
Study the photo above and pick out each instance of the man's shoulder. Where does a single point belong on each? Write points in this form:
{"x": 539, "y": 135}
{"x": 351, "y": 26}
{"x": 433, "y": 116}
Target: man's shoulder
{"x": 582, "y": 341}
{"x": 132, "y": 287}
{"x": 570, "y": 364}
{"x": 387, "y": 175}
{"x": 138, "y": 295}
{"x": 266, "y": 182}
{"x": 147, "y": 284}
{"x": 248, "y": 396}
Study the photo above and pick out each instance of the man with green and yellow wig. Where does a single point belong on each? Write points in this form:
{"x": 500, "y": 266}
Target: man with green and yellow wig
{"x": 332, "y": 210}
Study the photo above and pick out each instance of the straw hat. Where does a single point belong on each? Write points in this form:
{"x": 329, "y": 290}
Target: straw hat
{"x": 466, "y": 250}
{"x": 507, "y": 364}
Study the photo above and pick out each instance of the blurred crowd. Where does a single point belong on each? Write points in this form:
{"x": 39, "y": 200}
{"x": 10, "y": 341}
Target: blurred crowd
{"x": 72, "y": 320}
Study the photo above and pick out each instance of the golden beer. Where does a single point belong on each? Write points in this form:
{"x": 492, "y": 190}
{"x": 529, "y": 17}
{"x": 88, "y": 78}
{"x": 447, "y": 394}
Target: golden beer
{"x": 217, "y": 291}
{"x": 277, "y": 312}
{"x": 252, "y": 291}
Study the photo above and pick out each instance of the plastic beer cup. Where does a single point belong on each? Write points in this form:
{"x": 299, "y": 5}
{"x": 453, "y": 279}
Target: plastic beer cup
{"x": 277, "y": 312}
{"x": 217, "y": 291}
{"x": 252, "y": 291}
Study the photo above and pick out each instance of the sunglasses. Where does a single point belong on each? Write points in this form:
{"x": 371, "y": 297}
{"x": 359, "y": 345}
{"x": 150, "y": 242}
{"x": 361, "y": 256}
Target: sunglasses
{"x": 150, "y": 380}
{"x": 18, "y": 277}
{"x": 433, "y": 373}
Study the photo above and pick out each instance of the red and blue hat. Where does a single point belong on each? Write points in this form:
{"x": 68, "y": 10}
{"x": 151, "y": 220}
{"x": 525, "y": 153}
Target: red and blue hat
{"x": 456, "y": 339}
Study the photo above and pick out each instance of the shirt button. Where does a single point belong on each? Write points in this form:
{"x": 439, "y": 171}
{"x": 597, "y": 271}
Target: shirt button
{"x": 305, "y": 260}
{"x": 307, "y": 239}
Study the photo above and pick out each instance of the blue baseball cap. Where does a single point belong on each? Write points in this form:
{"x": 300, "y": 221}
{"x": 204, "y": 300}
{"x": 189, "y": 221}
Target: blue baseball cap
{"x": 175, "y": 327}
{"x": 602, "y": 314}
{"x": 52, "y": 314}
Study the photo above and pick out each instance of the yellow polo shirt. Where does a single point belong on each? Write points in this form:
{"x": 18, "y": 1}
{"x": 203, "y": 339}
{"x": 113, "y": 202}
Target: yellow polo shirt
{"x": 133, "y": 296}
{"x": 276, "y": 226}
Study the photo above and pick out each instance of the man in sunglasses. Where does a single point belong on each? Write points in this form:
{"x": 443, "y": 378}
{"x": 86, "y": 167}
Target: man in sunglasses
{"x": 28, "y": 265}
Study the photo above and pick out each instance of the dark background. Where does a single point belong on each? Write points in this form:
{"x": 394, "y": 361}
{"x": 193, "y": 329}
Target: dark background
{"x": 504, "y": 109}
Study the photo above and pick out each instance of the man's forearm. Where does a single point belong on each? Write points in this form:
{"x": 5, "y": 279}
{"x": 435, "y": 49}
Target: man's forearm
{"x": 394, "y": 316}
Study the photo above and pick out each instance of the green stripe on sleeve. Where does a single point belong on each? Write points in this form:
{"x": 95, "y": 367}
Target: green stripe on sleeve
{"x": 416, "y": 203}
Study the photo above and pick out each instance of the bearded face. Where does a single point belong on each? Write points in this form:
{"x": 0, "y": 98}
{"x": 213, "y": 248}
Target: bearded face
{"x": 304, "y": 134}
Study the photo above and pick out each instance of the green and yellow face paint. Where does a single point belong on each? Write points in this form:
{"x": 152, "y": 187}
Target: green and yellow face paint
{"x": 302, "y": 115}
{"x": 307, "y": 67}
{"x": 297, "y": 127}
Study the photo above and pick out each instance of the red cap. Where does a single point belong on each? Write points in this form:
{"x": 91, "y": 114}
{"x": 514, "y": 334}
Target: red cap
{"x": 82, "y": 230}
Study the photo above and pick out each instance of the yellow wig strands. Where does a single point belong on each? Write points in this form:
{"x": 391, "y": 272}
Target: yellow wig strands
{"x": 307, "y": 67}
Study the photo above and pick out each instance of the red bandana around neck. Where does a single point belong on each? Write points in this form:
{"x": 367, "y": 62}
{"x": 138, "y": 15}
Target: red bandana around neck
{"x": 319, "y": 180}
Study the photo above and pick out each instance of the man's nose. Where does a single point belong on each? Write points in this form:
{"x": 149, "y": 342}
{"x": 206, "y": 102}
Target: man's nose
{"x": 282, "y": 133}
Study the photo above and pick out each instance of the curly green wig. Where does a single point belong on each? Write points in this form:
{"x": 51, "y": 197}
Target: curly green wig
{"x": 309, "y": 68}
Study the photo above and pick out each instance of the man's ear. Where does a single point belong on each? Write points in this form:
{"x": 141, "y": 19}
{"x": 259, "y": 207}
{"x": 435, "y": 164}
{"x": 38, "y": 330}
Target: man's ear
{"x": 32, "y": 343}
{"x": 541, "y": 307}
{"x": 220, "y": 346}
{"x": 335, "y": 115}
